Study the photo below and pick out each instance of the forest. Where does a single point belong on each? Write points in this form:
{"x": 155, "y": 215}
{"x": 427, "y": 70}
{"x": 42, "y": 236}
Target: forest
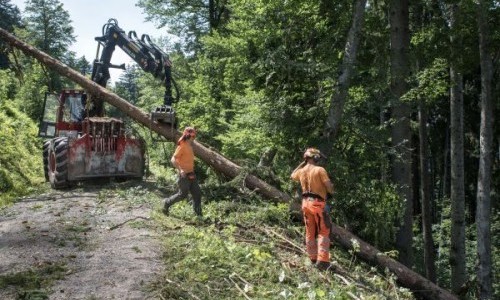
{"x": 401, "y": 98}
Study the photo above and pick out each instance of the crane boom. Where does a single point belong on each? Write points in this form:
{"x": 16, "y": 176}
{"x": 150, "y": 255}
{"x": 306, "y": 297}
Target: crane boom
{"x": 145, "y": 53}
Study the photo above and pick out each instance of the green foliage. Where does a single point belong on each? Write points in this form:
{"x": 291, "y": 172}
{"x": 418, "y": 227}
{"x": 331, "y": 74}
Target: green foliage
{"x": 431, "y": 83}
{"x": 21, "y": 170}
{"x": 188, "y": 19}
{"x": 252, "y": 250}
{"x": 275, "y": 49}
{"x": 9, "y": 18}
{"x": 441, "y": 233}
{"x": 31, "y": 93}
{"x": 369, "y": 208}
{"x": 7, "y": 85}
{"x": 49, "y": 26}
{"x": 245, "y": 137}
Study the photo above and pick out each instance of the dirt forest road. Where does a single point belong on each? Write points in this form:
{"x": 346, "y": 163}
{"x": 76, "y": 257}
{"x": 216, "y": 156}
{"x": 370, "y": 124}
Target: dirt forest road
{"x": 79, "y": 244}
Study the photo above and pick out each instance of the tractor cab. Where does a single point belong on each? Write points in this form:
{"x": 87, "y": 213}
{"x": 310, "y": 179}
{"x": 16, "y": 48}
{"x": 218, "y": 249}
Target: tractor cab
{"x": 63, "y": 114}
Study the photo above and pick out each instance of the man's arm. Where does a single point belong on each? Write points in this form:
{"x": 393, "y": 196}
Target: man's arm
{"x": 326, "y": 181}
{"x": 294, "y": 173}
{"x": 173, "y": 160}
{"x": 329, "y": 187}
{"x": 176, "y": 166}
{"x": 174, "y": 163}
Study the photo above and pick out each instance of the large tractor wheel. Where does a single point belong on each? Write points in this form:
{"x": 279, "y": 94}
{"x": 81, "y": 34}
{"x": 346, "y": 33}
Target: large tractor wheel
{"x": 58, "y": 163}
{"x": 46, "y": 147}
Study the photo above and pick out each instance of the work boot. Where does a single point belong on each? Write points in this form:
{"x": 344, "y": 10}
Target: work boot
{"x": 323, "y": 265}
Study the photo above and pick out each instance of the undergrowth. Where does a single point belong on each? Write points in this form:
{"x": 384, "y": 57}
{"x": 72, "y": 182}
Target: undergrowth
{"x": 21, "y": 168}
{"x": 251, "y": 250}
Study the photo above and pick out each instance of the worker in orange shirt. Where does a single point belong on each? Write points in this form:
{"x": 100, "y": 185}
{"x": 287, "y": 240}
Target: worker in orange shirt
{"x": 183, "y": 161}
{"x": 315, "y": 185}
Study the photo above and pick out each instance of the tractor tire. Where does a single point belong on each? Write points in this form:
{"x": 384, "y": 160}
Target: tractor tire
{"x": 46, "y": 147}
{"x": 58, "y": 163}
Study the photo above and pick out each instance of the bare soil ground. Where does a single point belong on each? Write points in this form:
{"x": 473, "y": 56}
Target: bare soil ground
{"x": 88, "y": 245}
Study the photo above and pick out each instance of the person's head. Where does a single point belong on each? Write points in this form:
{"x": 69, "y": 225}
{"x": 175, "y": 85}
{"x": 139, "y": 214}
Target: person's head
{"x": 312, "y": 155}
{"x": 188, "y": 134}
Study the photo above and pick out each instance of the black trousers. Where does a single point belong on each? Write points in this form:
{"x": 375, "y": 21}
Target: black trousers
{"x": 187, "y": 186}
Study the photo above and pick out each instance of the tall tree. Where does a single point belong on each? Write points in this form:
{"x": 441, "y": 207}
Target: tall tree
{"x": 9, "y": 18}
{"x": 457, "y": 193}
{"x": 343, "y": 82}
{"x": 483, "y": 212}
{"x": 401, "y": 131}
{"x": 189, "y": 19}
{"x": 83, "y": 65}
{"x": 425, "y": 194}
{"x": 126, "y": 86}
{"x": 49, "y": 29}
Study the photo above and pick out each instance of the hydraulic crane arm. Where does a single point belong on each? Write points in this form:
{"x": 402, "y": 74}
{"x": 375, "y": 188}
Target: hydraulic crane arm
{"x": 143, "y": 51}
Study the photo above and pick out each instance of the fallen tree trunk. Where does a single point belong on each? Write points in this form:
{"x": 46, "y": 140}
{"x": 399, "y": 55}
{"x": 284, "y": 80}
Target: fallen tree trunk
{"x": 406, "y": 277}
{"x": 416, "y": 282}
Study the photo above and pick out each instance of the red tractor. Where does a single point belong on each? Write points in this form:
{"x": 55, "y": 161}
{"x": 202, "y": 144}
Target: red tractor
{"x": 84, "y": 143}
{"x": 83, "y": 148}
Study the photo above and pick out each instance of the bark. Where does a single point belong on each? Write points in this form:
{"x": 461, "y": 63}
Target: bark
{"x": 457, "y": 193}
{"x": 343, "y": 82}
{"x": 483, "y": 211}
{"x": 425, "y": 194}
{"x": 406, "y": 277}
{"x": 446, "y": 166}
{"x": 401, "y": 131}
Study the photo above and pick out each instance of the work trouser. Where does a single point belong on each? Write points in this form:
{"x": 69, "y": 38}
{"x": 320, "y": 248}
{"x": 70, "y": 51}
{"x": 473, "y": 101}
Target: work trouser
{"x": 187, "y": 185}
{"x": 318, "y": 224}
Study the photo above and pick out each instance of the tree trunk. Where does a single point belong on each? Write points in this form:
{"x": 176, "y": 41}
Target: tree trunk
{"x": 406, "y": 277}
{"x": 457, "y": 251}
{"x": 483, "y": 212}
{"x": 343, "y": 82}
{"x": 421, "y": 285}
{"x": 446, "y": 166}
{"x": 401, "y": 131}
{"x": 425, "y": 194}
{"x": 457, "y": 254}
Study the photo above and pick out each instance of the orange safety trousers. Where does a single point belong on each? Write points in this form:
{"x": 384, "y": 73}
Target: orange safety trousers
{"x": 317, "y": 229}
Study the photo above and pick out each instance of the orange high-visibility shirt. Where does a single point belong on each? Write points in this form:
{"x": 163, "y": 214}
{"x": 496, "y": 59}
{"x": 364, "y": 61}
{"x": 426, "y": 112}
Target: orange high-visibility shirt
{"x": 184, "y": 157}
{"x": 312, "y": 179}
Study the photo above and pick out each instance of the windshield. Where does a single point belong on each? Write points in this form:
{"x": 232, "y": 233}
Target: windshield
{"x": 73, "y": 110}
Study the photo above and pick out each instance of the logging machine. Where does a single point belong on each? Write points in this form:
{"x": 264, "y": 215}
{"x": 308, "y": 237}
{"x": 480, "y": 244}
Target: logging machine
{"x": 83, "y": 142}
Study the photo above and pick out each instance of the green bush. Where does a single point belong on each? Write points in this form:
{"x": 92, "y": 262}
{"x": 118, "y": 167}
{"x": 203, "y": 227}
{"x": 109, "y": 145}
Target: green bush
{"x": 21, "y": 168}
